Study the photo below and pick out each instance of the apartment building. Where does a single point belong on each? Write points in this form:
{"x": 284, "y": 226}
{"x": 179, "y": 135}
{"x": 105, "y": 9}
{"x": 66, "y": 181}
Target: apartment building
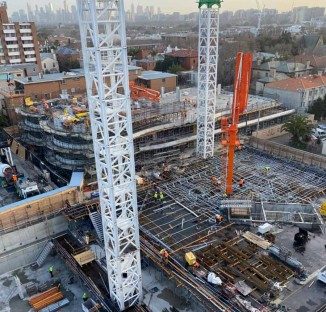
{"x": 18, "y": 42}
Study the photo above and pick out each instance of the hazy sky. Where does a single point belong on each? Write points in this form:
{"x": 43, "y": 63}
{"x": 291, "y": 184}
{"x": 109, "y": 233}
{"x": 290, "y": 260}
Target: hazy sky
{"x": 183, "y": 6}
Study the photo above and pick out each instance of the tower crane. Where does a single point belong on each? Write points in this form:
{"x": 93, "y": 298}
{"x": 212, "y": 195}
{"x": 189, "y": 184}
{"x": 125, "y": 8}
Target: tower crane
{"x": 261, "y": 12}
{"x": 207, "y": 75}
{"x": 106, "y": 73}
{"x": 229, "y": 129}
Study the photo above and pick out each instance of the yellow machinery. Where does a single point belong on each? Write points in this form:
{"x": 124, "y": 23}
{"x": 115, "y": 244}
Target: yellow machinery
{"x": 190, "y": 258}
{"x": 28, "y": 101}
{"x": 323, "y": 209}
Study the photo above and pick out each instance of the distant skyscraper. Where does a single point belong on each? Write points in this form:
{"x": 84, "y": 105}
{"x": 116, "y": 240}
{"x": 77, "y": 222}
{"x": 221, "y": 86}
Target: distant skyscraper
{"x": 140, "y": 10}
{"x": 132, "y": 12}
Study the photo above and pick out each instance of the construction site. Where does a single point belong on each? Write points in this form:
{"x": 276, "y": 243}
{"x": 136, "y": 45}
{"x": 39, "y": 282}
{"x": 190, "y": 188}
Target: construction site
{"x": 172, "y": 202}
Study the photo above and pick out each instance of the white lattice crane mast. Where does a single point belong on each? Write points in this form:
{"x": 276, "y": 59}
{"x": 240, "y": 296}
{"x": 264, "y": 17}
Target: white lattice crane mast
{"x": 207, "y": 75}
{"x": 106, "y": 72}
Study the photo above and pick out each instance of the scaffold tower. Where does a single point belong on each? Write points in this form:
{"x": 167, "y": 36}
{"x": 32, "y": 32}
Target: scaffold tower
{"x": 207, "y": 75}
{"x": 102, "y": 22}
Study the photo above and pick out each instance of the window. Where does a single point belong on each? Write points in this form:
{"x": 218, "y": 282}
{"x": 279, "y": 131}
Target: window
{"x": 73, "y": 90}
{"x": 163, "y": 80}
{"x": 64, "y": 81}
{"x": 44, "y": 65}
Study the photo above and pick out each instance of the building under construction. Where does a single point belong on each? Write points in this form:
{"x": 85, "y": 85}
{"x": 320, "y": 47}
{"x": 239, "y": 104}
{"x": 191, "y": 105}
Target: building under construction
{"x": 162, "y": 232}
{"x": 59, "y": 129}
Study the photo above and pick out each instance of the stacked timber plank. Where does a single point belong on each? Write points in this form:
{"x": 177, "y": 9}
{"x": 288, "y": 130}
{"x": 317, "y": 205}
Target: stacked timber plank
{"x": 45, "y": 298}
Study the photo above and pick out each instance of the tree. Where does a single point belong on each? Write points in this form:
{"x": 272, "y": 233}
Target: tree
{"x": 175, "y": 69}
{"x": 318, "y": 108}
{"x": 165, "y": 65}
{"x": 300, "y": 128}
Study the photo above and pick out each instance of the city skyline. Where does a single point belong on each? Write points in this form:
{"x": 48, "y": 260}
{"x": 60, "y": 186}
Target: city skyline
{"x": 169, "y": 6}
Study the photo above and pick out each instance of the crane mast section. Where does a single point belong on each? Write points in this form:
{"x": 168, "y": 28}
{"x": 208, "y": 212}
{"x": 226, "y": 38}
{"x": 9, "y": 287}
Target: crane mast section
{"x": 207, "y": 78}
{"x": 106, "y": 72}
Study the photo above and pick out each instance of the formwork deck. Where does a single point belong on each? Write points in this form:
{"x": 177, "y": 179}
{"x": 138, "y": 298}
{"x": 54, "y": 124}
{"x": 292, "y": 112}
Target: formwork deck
{"x": 185, "y": 220}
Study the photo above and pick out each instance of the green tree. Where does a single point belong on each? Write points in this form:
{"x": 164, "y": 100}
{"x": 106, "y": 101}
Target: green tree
{"x": 318, "y": 108}
{"x": 300, "y": 128}
{"x": 165, "y": 65}
{"x": 175, "y": 69}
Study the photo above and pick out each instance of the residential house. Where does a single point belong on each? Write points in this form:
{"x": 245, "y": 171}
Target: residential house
{"x": 298, "y": 93}
{"x": 188, "y": 59}
{"x": 50, "y": 63}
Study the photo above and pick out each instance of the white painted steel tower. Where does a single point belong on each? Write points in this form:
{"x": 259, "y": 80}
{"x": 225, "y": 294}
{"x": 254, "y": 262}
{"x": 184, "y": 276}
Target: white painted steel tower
{"x": 103, "y": 36}
{"x": 207, "y": 75}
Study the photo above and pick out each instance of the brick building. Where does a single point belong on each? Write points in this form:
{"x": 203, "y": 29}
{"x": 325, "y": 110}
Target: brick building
{"x": 41, "y": 87}
{"x": 188, "y": 59}
{"x": 146, "y": 64}
{"x": 157, "y": 80}
{"x": 18, "y": 41}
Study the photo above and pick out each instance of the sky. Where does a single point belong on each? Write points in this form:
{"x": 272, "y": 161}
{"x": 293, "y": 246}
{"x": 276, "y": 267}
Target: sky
{"x": 183, "y": 6}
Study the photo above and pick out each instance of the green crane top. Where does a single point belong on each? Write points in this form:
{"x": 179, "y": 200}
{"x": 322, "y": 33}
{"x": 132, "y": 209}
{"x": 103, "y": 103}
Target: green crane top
{"x": 209, "y": 3}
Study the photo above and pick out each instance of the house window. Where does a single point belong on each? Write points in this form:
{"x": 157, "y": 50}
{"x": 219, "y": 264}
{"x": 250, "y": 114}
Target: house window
{"x": 64, "y": 81}
{"x": 44, "y": 65}
{"x": 73, "y": 90}
{"x": 163, "y": 80}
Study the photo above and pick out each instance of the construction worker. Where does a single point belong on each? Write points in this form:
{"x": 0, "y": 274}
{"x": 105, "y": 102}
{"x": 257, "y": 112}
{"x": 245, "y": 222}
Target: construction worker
{"x": 218, "y": 218}
{"x": 165, "y": 255}
{"x": 155, "y": 196}
{"x": 85, "y": 296}
{"x": 51, "y": 270}
{"x": 14, "y": 178}
{"x": 161, "y": 197}
{"x": 196, "y": 265}
{"x": 241, "y": 182}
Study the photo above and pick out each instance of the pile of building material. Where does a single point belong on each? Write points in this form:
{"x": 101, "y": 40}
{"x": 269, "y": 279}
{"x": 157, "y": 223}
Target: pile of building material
{"x": 46, "y": 298}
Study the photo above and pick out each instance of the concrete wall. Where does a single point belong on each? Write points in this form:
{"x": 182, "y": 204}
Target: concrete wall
{"x": 22, "y": 247}
{"x": 289, "y": 152}
{"x": 268, "y": 133}
{"x": 288, "y": 98}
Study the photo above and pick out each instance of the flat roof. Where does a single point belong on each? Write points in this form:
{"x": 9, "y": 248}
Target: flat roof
{"x": 152, "y": 74}
{"x": 48, "y": 77}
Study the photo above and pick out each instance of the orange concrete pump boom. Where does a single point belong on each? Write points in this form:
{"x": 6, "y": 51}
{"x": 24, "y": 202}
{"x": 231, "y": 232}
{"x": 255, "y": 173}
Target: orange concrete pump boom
{"x": 139, "y": 92}
{"x": 230, "y": 138}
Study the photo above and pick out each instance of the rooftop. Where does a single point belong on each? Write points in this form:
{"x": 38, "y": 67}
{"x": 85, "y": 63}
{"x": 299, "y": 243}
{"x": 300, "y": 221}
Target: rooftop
{"x": 151, "y": 75}
{"x": 48, "y": 77}
{"x": 47, "y": 55}
{"x": 67, "y": 51}
{"x": 282, "y": 66}
{"x": 183, "y": 53}
{"x": 295, "y": 84}
{"x": 14, "y": 67}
